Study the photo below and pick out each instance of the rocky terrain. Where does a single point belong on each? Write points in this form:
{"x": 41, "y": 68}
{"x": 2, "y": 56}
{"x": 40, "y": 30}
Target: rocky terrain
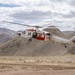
{"x": 19, "y": 46}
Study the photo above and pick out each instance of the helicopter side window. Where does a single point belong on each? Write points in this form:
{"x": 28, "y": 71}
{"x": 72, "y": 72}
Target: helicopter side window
{"x": 29, "y": 33}
{"x": 24, "y": 32}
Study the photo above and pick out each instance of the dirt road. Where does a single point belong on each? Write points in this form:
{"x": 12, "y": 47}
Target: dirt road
{"x": 39, "y": 72}
{"x": 36, "y": 66}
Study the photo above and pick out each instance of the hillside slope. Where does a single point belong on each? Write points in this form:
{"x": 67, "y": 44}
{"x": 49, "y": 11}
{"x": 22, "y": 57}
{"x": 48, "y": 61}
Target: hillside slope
{"x": 54, "y": 31}
{"x": 64, "y": 34}
{"x": 21, "y": 47}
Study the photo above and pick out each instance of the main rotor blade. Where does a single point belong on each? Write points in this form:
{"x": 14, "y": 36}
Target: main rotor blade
{"x": 17, "y": 23}
{"x": 36, "y": 26}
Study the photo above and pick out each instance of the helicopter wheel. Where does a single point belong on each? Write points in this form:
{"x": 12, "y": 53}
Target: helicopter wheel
{"x": 30, "y": 39}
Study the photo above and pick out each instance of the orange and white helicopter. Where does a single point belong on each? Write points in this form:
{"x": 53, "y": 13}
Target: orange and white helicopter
{"x": 42, "y": 35}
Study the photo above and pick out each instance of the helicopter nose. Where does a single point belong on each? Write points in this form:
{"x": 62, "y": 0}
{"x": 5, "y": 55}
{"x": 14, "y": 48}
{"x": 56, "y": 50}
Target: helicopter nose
{"x": 19, "y": 34}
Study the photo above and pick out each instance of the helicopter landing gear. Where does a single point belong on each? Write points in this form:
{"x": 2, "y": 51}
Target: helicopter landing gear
{"x": 30, "y": 39}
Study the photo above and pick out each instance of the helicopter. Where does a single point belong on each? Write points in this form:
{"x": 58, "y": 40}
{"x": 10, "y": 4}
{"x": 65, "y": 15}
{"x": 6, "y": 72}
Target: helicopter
{"x": 36, "y": 33}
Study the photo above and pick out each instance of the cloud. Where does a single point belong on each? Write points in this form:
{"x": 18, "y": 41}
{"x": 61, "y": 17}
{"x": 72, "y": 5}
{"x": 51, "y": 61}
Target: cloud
{"x": 72, "y": 3}
{"x": 38, "y": 11}
{"x": 70, "y": 15}
{"x": 8, "y": 5}
{"x": 58, "y": 0}
{"x": 32, "y": 16}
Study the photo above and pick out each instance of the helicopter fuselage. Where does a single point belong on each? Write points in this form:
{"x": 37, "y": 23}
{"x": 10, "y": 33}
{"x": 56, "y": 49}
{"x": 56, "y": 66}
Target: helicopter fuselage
{"x": 30, "y": 33}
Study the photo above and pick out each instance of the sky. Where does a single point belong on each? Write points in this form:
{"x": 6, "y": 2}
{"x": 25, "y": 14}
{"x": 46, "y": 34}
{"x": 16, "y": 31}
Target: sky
{"x": 59, "y": 13}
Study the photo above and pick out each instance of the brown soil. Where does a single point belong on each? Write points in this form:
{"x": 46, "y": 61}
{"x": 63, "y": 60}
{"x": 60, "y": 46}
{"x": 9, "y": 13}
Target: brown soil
{"x": 37, "y": 66}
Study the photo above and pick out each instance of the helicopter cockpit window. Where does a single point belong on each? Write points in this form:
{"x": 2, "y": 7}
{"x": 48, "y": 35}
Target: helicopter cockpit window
{"x": 24, "y": 32}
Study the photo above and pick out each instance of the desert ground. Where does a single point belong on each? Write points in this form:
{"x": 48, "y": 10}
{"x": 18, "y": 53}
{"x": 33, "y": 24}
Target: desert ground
{"x": 20, "y": 57}
{"x": 53, "y": 65}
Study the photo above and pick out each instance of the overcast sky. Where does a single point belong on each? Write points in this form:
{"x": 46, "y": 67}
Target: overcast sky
{"x": 60, "y": 13}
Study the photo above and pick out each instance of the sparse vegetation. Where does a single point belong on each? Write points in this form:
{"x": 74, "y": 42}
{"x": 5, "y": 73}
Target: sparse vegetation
{"x": 33, "y": 62}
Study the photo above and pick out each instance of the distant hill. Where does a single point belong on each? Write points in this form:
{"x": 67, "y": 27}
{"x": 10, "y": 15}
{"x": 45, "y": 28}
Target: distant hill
{"x": 4, "y": 38}
{"x": 6, "y": 35}
{"x": 54, "y": 30}
{"x": 8, "y": 32}
{"x": 73, "y": 34}
{"x": 68, "y": 32}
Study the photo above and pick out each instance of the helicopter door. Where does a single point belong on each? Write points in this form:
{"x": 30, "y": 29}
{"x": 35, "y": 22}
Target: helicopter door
{"x": 29, "y": 34}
